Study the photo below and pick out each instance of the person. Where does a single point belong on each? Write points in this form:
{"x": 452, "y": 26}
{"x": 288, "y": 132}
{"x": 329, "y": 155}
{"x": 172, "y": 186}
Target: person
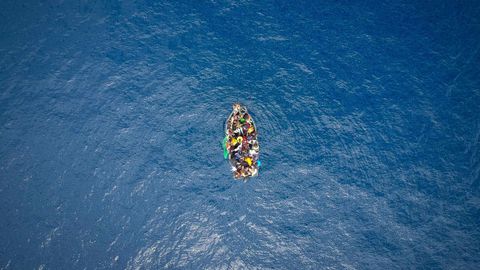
{"x": 255, "y": 146}
{"x": 233, "y": 124}
{"x": 238, "y": 173}
{"x": 236, "y": 107}
{"x": 238, "y": 148}
{"x": 244, "y": 141}
{"x": 253, "y": 171}
{"x": 243, "y": 110}
{"x": 244, "y": 172}
{"x": 227, "y": 145}
{"x": 249, "y": 161}
{"x": 238, "y": 131}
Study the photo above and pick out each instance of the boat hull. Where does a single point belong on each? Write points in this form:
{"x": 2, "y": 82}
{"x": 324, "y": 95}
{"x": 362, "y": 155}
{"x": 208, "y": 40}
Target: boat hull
{"x": 241, "y": 146}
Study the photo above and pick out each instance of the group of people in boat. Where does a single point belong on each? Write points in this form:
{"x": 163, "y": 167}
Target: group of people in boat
{"x": 242, "y": 143}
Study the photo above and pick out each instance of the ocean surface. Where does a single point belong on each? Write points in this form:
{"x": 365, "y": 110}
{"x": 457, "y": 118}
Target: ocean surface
{"x": 112, "y": 113}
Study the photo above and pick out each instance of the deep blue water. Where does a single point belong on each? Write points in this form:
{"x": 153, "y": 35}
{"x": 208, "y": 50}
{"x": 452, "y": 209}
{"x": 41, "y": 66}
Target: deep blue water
{"x": 111, "y": 117}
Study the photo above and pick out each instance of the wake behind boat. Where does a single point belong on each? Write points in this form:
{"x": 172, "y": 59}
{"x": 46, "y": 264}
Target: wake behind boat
{"x": 240, "y": 144}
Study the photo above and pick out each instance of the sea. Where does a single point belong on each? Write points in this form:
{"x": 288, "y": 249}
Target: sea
{"x": 112, "y": 116}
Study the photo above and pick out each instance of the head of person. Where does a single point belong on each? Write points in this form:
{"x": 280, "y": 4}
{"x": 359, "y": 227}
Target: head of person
{"x": 236, "y": 107}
